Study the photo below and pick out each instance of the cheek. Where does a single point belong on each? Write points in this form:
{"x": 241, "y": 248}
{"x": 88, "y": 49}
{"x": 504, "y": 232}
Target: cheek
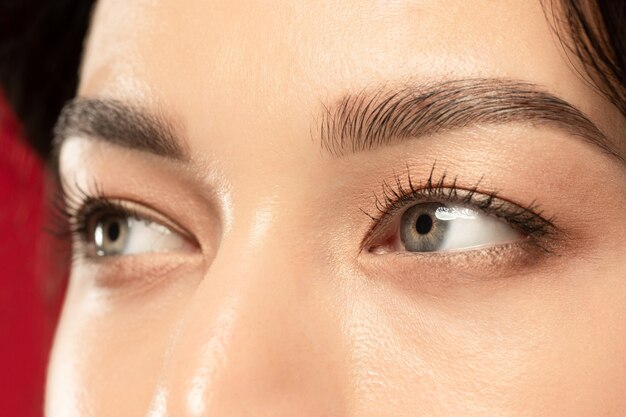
{"x": 519, "y": 346}
{"x": 524, "y": 346}
{"x": 584, "y": 349}
{"x": 108, "y": 352}
{"x": 420, "y": 355}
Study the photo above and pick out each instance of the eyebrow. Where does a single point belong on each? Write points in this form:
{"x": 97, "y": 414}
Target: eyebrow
{"x": 356, "y": 122}
{"x": 378, "y": 117}
{"x": 123, "y": 124}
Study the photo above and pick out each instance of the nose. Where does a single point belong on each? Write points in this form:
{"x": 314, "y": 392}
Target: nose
{"x": 256, "y": 339}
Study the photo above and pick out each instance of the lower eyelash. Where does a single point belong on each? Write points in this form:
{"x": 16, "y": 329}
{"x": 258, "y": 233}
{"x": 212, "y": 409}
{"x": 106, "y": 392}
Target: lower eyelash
{"x": 404, "y": 192}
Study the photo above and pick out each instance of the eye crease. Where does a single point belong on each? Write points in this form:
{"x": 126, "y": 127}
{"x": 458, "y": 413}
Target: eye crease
{"x": 435, "y": 216}
{"x": 101, "y": 227}
{"x": 440, "y": 216}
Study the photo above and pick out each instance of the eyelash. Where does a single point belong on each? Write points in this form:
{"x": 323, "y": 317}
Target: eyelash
{"x": 403, "y": 193}
{"x": 73, "y": 210}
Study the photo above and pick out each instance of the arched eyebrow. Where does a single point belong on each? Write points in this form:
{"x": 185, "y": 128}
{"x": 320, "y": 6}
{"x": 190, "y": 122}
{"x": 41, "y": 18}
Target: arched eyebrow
{"x": 123, "y": 124}
{"x": 380, "y": 116}
{"x": 357, "y": 122}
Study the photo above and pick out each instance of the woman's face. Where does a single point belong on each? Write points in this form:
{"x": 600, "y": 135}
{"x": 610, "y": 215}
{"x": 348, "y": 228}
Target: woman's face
{"x": 400, "y": 208}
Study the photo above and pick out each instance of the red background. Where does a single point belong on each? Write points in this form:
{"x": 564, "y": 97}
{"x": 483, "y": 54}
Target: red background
{"x": 32, "y": 267}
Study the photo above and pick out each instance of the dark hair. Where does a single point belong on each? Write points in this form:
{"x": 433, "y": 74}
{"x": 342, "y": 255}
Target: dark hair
{"x": 41, "y": 45}
{"x": 595, "y": 33}
{"x": 40, "y": 49}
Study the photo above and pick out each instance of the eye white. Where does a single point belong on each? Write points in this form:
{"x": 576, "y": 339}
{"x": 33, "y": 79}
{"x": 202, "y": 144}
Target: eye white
{"x": 131, "y": 235}
{"x": 468, "y": 228}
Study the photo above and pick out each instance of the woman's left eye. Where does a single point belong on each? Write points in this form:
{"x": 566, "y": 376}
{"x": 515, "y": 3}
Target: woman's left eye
{"x": 439, "y": 227}
{"x": 111, "y": 234}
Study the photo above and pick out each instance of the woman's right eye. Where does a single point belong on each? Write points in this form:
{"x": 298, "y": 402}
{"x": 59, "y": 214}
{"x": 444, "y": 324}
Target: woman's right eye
{"x": 119, "y": 233}
{"x": 439, "y": 227}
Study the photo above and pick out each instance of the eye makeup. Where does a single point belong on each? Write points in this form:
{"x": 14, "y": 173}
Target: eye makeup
{"x": 87, "y": 206}
{"x": 102, "y": 227}
{"x": 404, "y": 193}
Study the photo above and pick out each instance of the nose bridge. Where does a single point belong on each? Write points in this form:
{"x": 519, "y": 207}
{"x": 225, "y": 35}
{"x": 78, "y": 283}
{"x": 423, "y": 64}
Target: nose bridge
{"x": 255, "y": 338}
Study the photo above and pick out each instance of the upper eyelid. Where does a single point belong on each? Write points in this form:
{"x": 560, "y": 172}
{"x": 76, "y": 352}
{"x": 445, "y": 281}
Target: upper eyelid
{"x": 144, "y": 212}
{"x": 76, "y": 211}
{"x": 399, "y": 196}
{"x": 469, "y": 196}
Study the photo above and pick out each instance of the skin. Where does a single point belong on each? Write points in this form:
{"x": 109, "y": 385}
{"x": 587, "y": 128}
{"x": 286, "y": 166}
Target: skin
{"x": 275, "y": 308}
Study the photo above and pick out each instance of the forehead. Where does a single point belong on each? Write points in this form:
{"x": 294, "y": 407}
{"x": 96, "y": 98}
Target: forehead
{"x": 273, "y": 62}
{"x": 299, "y": 45}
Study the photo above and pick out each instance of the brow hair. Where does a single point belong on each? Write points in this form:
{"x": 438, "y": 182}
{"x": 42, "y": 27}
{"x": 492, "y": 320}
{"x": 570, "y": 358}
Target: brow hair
{"x": 120, "y": 123}
{"x": 376, "y": 117}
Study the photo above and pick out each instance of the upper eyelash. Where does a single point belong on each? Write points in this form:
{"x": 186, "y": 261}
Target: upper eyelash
{"x": 400, "y": 194}
{"x": 76, "y": 208}
{"x": 71, "y": 210}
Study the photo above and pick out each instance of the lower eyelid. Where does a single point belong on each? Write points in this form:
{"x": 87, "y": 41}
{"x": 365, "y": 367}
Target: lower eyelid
{"x": 454, "y": 267}
{"x": 133, "y": 275}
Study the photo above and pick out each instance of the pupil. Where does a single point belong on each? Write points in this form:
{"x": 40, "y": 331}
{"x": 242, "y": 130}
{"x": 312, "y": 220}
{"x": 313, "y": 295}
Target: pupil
{"x": 113, "y": 232}
{"x": 424, "y": 224}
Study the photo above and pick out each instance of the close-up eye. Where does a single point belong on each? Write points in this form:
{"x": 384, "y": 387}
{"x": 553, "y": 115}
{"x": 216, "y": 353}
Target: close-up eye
{"x": 439, "y": 218}
{"x": 313, "y": 208}
{"x": 106, "y": 228}
{"x": 116, "y": 234}
{"x": 433, "y": 227}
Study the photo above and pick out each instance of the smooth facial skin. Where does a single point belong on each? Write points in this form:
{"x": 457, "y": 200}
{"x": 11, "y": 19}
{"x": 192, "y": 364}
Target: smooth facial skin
{"x": 279, "y": 287}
